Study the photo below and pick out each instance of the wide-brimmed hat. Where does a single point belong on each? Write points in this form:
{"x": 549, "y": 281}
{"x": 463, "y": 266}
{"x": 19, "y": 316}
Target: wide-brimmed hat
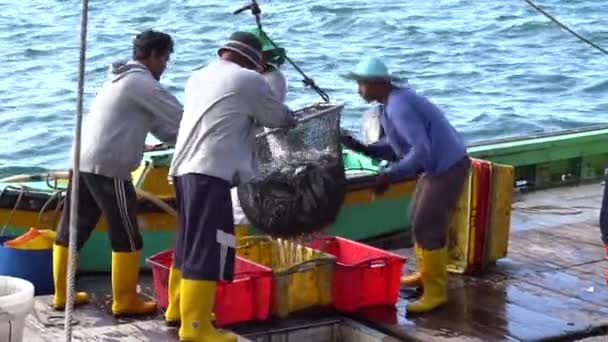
{"x": 371, "y": 69}
{"x": 246, "y": 45}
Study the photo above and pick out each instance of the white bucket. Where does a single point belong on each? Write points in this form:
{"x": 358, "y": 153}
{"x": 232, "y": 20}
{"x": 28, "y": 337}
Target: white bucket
{"x": 16, "y": 303}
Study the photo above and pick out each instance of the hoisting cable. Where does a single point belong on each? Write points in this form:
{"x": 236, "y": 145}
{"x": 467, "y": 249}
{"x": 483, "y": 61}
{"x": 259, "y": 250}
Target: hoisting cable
{"x": 536, "y": 7}
{"x": 309, "y": 82}
{"x": 73, "y": 219}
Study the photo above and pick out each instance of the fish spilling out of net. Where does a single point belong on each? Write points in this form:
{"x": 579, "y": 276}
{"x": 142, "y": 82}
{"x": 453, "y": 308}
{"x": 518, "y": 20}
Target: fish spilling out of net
{"x": 299, "y": 199}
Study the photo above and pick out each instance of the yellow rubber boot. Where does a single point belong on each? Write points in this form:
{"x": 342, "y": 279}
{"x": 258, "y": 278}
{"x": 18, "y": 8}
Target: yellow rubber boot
{"x": 172, "y": 315}
{"x": 60, "y": 270}
{"x": 125, "y": 272}
{"x": 434, "y": 278}
{"x": 196, "y": 304}
{"x": 415, "y": 278}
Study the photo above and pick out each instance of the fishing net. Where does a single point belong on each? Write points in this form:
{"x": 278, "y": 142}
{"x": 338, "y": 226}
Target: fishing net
{"x": 300, "y": 183}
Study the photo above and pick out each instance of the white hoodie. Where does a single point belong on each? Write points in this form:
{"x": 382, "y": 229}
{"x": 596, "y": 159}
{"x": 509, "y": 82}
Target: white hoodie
{"x": 216, "y": 138}
{"x": 129, "y": 105}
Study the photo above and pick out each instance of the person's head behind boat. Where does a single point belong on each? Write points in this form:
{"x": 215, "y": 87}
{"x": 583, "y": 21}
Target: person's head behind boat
{"x": 373, "y": 78}
{"x": 244, "y": 49}
{"x": 270, "y": 53}
{"x": 153, "y": 49}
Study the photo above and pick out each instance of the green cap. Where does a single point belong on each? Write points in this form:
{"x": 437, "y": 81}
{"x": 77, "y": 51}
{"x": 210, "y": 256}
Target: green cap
{"x": 275, "y": 55}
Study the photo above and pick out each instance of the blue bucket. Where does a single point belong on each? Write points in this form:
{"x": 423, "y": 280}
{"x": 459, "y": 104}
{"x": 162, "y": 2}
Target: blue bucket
{"x": 35, "y": 266}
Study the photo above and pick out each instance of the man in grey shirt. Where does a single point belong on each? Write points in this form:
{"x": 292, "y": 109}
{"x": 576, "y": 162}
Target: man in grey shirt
{"x": 129, "y": 105}
{"x": 214, "y": 152}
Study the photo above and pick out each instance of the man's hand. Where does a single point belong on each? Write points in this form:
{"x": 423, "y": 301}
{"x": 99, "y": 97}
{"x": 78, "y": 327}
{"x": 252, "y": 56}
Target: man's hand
{"x": 347, "y": 140}
{"x": 292, "y": 122}
{"x": 383, "y": 182}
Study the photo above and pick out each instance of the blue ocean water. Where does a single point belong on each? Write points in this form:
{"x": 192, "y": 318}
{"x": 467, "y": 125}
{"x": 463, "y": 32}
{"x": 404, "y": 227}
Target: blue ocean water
{"x": 498, "y": 68}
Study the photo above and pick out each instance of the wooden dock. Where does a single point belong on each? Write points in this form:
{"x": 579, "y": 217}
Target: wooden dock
{"x": 550, "y": 288}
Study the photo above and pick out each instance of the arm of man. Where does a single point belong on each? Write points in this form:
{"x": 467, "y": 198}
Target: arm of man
{"x": 266, "y": 108}
{"x": 410, "y": 126}
{"x": 165, "y": 109}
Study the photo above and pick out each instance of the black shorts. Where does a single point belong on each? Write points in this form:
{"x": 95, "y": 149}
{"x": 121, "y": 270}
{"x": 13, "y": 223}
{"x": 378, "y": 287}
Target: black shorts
{"x": 205, "y": 242}
{"x": 116, "y": 199}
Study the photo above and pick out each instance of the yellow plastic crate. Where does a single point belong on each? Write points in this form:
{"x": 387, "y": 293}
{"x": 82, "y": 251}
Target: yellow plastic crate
{"x": 501, "y": 197}
{"x": 298, "y": 283}
{"x": 240, "y": 230}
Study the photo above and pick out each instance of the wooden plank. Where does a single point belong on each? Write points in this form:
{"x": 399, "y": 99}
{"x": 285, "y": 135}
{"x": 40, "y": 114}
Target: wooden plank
{"x": 561, "y": 295}
{"x": 145, "y": 331}
{"x": 557, "y": 207}
{"x": 553, "y": 217}
{"x": 580, "y": 232}
{"x": 539, "y": 245}
{"x": 499, "y": 305}
{"x": 519, "y": 262}
{"x": 94, "y": 322}
{"x": 416, "y": 329}
{"x": 490, "y": 311}
{"x": 593, "y": 271}
{"x": 545, "y": 283}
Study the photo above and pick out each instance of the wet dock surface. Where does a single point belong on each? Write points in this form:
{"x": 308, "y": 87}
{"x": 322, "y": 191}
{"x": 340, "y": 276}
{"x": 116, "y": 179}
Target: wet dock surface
{"x": 551, "y": 287}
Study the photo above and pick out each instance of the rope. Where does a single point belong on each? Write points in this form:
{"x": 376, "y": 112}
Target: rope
{"x": 552, "y": 18}
{"x": 156, "y": 200}
{"x": 56, "y": 195}
{"x": 22, "y": 190}
{"x": 309, "y": 82}
{"x": 69, "y": 305}
{"x": 549, "y": 210}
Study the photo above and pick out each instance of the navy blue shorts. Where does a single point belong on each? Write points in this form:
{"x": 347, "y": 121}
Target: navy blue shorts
{"x": 205, "y": 242}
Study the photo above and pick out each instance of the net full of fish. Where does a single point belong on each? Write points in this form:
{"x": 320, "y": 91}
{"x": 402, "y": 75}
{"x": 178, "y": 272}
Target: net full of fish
{"x": 301, "y": 182}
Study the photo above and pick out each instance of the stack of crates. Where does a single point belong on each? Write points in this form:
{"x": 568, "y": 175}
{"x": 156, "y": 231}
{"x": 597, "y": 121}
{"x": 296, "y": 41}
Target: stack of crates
{"x": 478, "y": 234}
{"x": 332, "y": 272}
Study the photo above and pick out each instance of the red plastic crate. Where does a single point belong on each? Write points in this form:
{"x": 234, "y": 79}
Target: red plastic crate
{"x": 245, "y": 298}
{"x": 364, "y": 276}
{"x": 160, "y": 264}
{"x": 483, "y": 211}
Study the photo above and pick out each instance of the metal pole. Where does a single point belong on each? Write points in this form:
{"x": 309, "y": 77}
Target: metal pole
{"x": 73, "y": 219}
{"x": 256, "y": 11}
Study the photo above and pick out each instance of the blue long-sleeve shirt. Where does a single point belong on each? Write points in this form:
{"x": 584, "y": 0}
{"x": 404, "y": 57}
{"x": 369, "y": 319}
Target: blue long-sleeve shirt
{"x": 417, "y": 132}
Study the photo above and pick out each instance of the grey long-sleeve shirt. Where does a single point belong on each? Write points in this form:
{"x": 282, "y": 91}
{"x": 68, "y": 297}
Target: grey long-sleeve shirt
{"x": 129, "y": 105}
{"x": 216, "y": 136}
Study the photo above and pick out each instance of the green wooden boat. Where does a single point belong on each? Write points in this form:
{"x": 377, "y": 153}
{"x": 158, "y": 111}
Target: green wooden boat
{"x": 540, "y": 161}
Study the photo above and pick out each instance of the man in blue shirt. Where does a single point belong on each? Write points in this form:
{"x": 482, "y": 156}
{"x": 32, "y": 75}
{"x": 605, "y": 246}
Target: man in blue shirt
{"x": 419, "y": 140}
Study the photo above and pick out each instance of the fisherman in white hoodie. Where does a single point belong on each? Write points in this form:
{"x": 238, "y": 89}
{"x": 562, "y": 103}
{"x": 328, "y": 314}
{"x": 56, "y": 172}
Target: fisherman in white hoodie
{"x": 214, "y": 152}
{"x": 272, "y": 60}
{"x": 129, "y": 105}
